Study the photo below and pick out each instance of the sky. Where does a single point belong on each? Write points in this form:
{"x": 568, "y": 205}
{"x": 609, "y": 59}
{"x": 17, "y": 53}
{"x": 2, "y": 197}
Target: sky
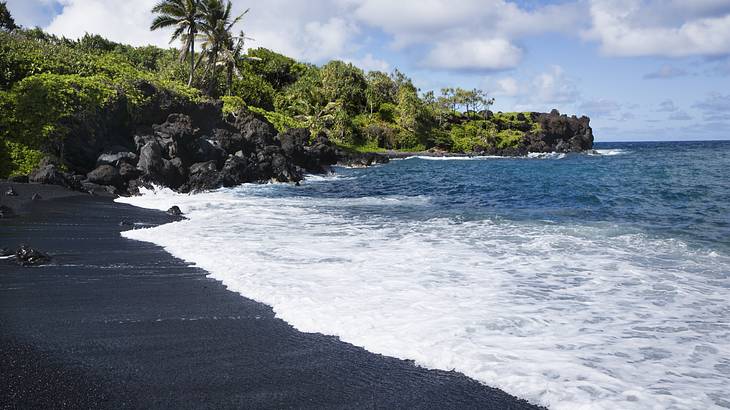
{"x": 641, "y": 69}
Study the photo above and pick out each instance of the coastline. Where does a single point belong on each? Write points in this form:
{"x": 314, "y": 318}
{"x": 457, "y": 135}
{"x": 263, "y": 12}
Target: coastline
{"x": 117, "y": 323}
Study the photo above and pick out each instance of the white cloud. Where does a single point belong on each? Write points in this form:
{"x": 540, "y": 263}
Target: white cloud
{"x": 653, "y": 28}
{"x": 599, "y": 108}
{"x": 550, "y": 89}
{"x": 667, "y": 106}
{"x": 312, "y": 31}
{"x": 122, "y": 21}
{"x": 664, "y": 72}
{"x": 508, "y": 87}
{"x": 476, "y": 35}
{"x": 680, "y": 116}
{"x": 369, "y": 63}
{"x": 716, "y": 107}
{"x": 419, "y": 21}
{"x": 31, "y": 13}
{"x": 554, "y": 87}
{"x": 476, "y": 55}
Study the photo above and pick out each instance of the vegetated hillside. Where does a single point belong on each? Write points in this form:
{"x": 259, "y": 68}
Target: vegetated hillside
{"x": 74, "y": 99}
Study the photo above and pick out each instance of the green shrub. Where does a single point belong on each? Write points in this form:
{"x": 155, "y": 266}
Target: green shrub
{"x": 254, "y": 91}
{"x": 45, "y": 104}
{"x": 520, "y": 121}
{"x": 280, "y": 121}
{"x": 17, "y": 159}
{"x": 387, "y": 112}
{"x": 509, "y": 138}
{"x": 232, "y": 104}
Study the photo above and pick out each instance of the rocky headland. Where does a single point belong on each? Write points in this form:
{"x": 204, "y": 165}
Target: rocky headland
{"x": 195, "y": 147}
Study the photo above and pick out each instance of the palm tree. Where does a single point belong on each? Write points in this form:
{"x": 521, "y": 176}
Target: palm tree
{"x": 219, "y": 45}
{"x": 185, "y": 16}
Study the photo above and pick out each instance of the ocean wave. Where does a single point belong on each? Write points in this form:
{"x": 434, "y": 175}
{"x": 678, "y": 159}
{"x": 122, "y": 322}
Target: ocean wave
{"x": 568, "y": 316}
{"x": 546, "y": 155}
{"x": 461, "y": 158}
{"x": 610, "y": 152}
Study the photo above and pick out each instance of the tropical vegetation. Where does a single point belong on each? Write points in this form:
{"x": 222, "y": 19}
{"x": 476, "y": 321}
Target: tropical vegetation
{"x": 49, "y": 83}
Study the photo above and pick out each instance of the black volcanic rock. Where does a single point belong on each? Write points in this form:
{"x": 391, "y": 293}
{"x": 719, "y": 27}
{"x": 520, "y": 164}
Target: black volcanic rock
{"x": 128, "y": 172}
{"x": 236, "y": 171}
{"x": 561, "y": 133}
{"x": 20, "y": 179}
{"x": 105, "y": 175}
{"x": 178, "y": 128}
{"x": 28, "y": 256}
{"x": 174, "y": 211}
{"x": 255, "y": 129}
{"x": 116, "y": 159}
{"x": 204, "y": 150}
{"x": 6, "y": 212}
{"x": 50, "y": 175}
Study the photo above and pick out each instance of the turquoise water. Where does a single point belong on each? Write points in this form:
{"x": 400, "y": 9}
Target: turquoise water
{"x": 575, "y": 281}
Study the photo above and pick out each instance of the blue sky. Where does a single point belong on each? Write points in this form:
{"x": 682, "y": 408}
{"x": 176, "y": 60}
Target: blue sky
{"x": 641, "y": 69}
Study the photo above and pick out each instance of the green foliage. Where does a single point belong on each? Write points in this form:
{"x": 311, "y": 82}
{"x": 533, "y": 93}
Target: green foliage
{"x": 64, "y": 98}
{"x": 521, "y": 121}
{"x": 254, "y": 91}
{"x": 482, "y": 135}
{"x": 344, "y": 83}
{"x": 17, "y": 159}
{"x": 232, "y": 104}
{"x": 472, "y": 136}
{"x": 280, "y": 121}
{"x": 387, "y": 112}
{"x": 509, "y": 138}
{"x": 304, "y": 97}
{"x": 381, "y": 89}
{"x": 7, "y": 22}
{"x": 274, "y": 68}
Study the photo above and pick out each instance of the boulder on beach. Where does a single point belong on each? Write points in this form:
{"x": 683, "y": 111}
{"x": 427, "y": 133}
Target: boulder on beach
{"x": 27, "y": 256}
{"x": 6, "y": 212}
{"x": 105, "y": 175}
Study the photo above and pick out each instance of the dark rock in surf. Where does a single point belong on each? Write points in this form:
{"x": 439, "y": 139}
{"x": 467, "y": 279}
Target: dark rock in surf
{"x": 236, "y": 171}
{"x": 361, "y": 160}
{"x": 106, "y": 191}
{"x": 174, "y": 211}
{"x": 27, "y": 256}
{"x": 36, "y": 197}
{"x": 128, "y": 172}
{"x": 11, "y": 192}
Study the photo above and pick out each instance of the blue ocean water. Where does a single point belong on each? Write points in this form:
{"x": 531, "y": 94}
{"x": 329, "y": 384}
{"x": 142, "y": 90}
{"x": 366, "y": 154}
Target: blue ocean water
{"x": 576, "y": 281}
{"x": 674, "y": 190}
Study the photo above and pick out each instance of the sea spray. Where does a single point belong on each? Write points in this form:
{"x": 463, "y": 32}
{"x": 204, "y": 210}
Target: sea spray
{"x": 566, "y": 310}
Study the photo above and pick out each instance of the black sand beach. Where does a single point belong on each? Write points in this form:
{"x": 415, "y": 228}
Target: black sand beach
{"x": 113, "y": 323}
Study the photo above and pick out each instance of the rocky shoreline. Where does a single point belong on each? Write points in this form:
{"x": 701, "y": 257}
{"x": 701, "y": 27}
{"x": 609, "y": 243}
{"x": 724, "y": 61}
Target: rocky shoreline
{"x": 198, "y": 148}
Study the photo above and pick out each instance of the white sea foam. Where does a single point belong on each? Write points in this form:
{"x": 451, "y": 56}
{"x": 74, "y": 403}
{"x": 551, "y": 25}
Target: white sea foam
{"x": 546, "y": 155}
{"x": 463, "y": 158}
{"x": 573, "y": 317}
{"x": 611, "y": 152}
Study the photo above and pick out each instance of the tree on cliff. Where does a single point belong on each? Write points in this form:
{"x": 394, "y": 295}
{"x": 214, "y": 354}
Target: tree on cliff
{"x": 186, "y": 17}
{"x": 220, "y": 46}
{"x": 7, "y": 23}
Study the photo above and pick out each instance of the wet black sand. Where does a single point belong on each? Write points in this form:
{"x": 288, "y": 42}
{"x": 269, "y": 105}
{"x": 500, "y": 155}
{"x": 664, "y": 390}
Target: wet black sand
{"x": 114, "y": 323}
